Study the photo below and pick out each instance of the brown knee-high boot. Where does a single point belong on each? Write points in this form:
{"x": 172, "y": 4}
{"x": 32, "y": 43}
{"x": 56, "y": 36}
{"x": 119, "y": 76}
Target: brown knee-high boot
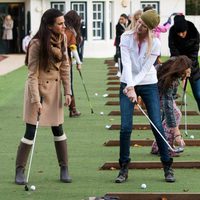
{"x": 21, "y": 160}
{"x": 73, "y": 112}
{"x": 61, "y": 151}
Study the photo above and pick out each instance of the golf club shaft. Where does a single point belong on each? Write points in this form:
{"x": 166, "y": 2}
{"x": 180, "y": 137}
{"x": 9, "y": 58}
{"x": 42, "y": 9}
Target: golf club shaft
{"x": 33, "y": 146}
{"x": 184, "y": 93}
{"x": 155, "y": 128}
{"x": 185, "y": 117}
{"x": 32, "y": 150}
{"x": 86, "y": 91}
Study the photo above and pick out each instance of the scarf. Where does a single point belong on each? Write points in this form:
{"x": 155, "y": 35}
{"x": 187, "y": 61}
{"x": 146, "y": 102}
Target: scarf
{"x": 56, "y": 47}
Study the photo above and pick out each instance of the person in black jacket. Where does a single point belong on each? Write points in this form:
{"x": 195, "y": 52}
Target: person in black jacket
{"x": 184, "y": 40}
{"x": 121, "y": 26}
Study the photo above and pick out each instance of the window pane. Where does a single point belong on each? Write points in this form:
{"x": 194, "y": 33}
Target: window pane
{"x": 154, "y": 4}
{"x": 61, "y": 8}
{"x": 192, "y": 7}
{"x": 75, "y": 7}
{"x": 82, "y": 15}
{"x": 81, "y": 7}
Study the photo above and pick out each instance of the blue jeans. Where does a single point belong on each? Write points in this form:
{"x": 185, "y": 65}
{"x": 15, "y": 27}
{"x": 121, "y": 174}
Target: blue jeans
{"x": 150, "y": 96}
{"x": 195, "y": 85}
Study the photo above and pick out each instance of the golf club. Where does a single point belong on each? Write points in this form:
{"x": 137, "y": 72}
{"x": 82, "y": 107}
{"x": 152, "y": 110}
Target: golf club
{"x": 178, "y": 149}
{"x": 185, "y": 117}
{"x": 184, "y": 100}
{"x": 86, "y": 91}
{"x": 32, "y": 150}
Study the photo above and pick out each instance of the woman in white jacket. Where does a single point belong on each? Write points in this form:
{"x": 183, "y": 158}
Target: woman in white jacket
{"x": 139, "y": 50}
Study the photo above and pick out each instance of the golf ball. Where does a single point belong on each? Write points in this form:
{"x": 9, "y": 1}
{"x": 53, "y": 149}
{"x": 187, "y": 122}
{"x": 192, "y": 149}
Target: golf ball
{"x": 143, "y": 186}
{"x": 105, "y": 95}
{"x": 101, "y": 113}
{"x": 96, "y": 94}
{"x": 33, "y": 187}
{"x": 107, "y": 126}
{"x": 192, "y": 136}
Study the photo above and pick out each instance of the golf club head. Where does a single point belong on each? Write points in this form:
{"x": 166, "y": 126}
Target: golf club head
{"x": 179, "y": 150}
{"x": 26, "y": 187}
{"x": 186, "y": 133}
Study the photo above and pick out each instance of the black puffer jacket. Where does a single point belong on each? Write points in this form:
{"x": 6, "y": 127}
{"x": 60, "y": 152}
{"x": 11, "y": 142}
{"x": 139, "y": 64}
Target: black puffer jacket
{"x": 120, "y": 29}
{"x": 188, "y": 46}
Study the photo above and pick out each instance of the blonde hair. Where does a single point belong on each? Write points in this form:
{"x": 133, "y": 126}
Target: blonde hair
{"x": 137, "y": 14}
{"x": 149, "y": 38}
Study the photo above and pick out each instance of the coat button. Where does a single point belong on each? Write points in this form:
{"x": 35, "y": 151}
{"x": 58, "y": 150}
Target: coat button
{"x": 56, "y": 80}
{"x": 47, "y": 82}
{"x": 48, "y": 71}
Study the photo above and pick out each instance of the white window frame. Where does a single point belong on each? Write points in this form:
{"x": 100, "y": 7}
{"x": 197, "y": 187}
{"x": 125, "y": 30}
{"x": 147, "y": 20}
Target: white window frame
{"x": 81, "y": 12}
{"x": 111, "y": 19}
{"x": 81, "y": 8}
{"x": 98, "y": 20}
{"x": 59, "y": 5}
{"x": 154, "y": 4}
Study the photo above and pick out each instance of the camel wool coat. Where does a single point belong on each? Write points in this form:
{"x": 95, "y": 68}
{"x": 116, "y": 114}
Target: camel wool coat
{"x": 48, "y": 85}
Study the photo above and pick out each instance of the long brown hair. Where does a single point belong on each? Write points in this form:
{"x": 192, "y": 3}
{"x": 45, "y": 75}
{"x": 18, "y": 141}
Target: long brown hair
{"x": 172, "y": 70}
{"x": 73, "y": 21}
{"x": 44, "y": 35}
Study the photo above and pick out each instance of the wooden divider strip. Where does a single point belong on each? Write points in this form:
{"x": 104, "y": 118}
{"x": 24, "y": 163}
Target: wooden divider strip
{"x": 113, "y": 78}
{"x": 150, "y": 165}
{"x": 155, "y": 195}
{"x": 148, "y": 127}
{"x": 111, "y": 103}
{"x": 114, "y": 143}
{"x": 137, "y": 112}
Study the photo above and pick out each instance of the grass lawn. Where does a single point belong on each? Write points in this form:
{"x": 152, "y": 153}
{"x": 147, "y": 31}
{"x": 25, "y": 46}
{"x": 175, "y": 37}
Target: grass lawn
{"x": 86, "y": 136}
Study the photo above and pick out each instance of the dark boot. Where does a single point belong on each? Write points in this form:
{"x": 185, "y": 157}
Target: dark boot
{"x": 61, "y": 150}
{"x": 73, "y": 112}
{"x": 123, "y": 173}
{"x": 21, "y": 160}
{"x": 169, "y": 175}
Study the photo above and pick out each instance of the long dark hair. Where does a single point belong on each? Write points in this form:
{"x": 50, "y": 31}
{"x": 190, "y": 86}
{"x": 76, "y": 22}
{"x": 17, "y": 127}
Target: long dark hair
{"x": 44, "y": 35}
{"x": 172, "y": 70}
{"x": 73, "y": 20}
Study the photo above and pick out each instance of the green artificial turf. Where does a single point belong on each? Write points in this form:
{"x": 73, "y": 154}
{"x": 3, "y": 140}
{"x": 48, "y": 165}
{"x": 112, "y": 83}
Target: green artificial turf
{"x": 86, "y": 136}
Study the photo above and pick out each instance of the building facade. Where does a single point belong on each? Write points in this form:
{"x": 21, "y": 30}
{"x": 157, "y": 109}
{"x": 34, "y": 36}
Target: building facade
{"x": 99, "y": 17}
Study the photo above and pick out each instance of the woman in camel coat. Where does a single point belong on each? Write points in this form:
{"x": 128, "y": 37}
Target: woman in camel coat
{"x": 49, "y": 83}
{"x": 48, "y": 70}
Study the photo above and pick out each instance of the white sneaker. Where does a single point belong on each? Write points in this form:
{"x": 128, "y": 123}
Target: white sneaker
{"x": 118, "y": 74}
{"x": 116, "y": 64}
